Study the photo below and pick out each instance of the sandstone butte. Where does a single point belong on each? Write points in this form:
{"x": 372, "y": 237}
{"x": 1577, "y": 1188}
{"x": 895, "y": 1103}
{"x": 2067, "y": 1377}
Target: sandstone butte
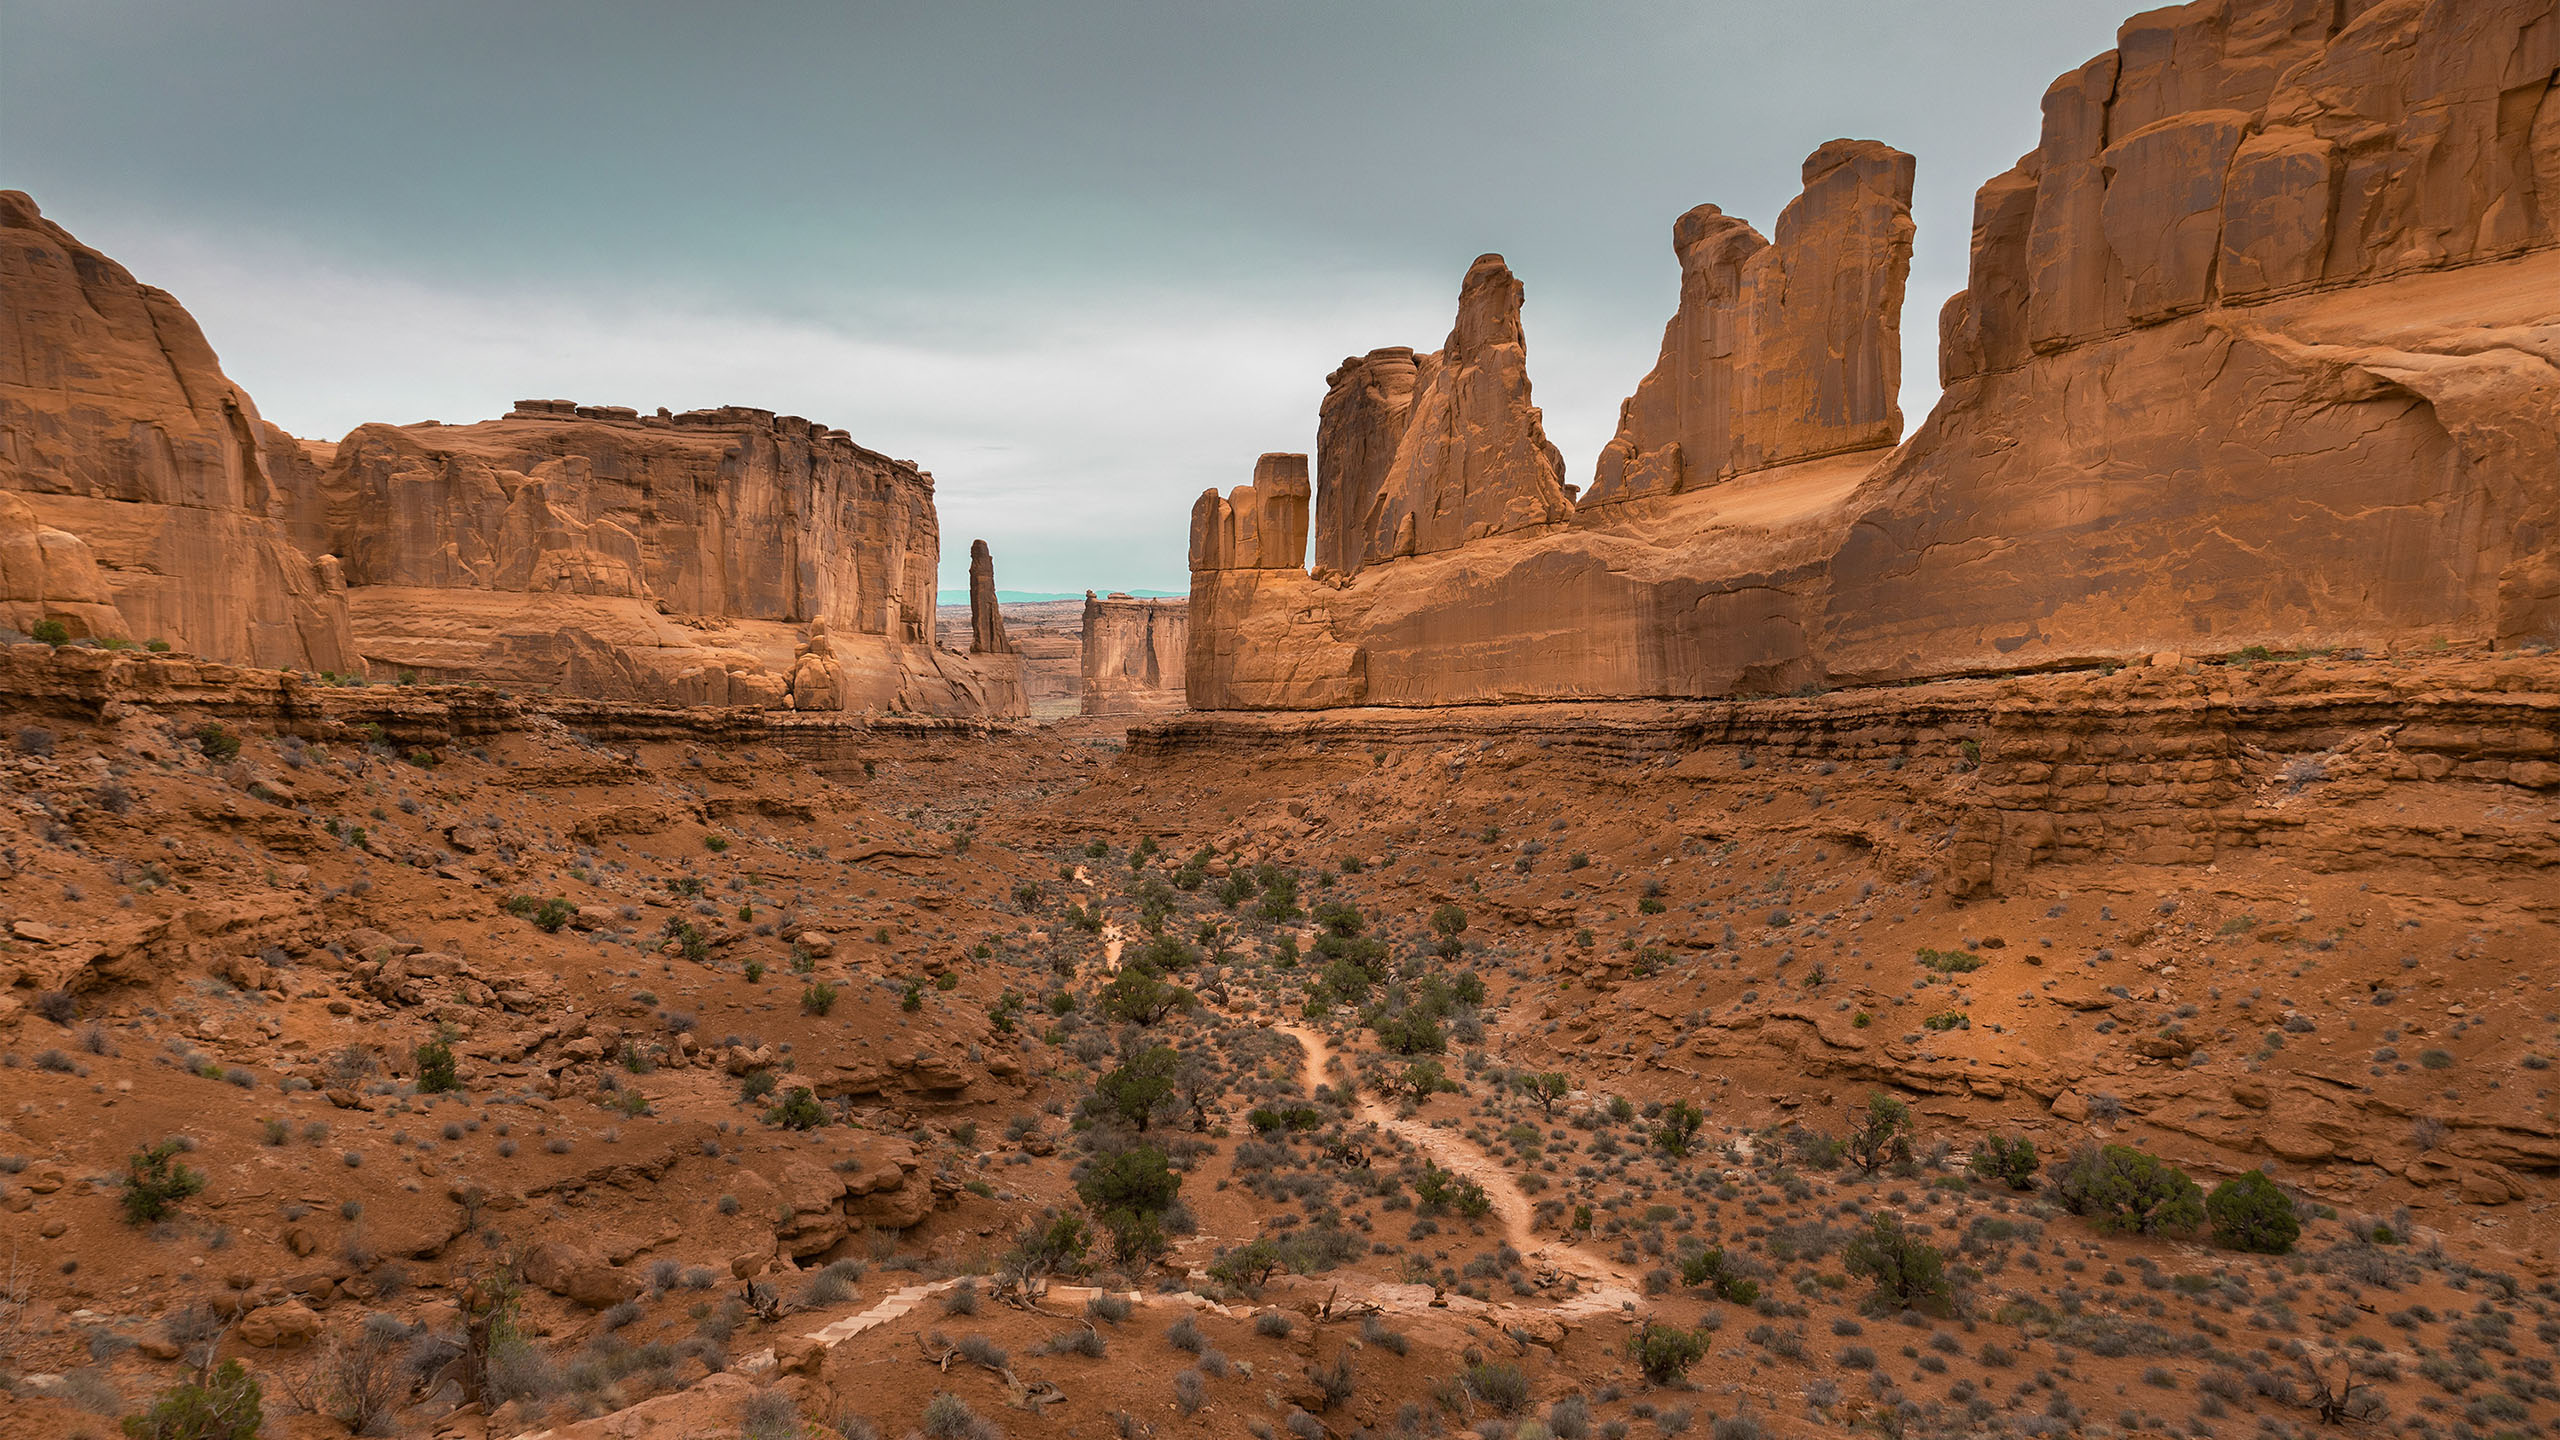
{"x": 1133, "y": 652}
{"x": 2257, "y": 349}
{"x": 717, "y": 557}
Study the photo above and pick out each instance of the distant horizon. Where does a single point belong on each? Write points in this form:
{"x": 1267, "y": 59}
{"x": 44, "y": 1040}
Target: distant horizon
{"x": 1042, "y": 597}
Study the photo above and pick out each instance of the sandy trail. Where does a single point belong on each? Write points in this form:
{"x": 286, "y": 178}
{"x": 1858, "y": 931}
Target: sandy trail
{"x": 1611, "y": 1287}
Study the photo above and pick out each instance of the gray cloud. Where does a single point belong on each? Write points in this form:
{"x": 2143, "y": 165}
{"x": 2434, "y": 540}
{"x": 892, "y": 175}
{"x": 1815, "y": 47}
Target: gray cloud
{"x": 1078, "y": 260}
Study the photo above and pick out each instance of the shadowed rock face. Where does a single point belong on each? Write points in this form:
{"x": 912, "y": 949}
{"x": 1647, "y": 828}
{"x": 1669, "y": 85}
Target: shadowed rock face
{"x": 2257, "y": 350}
{"x": 1367, "y": 404}
{"x": 723, "y": 557}
{"x": 986, "y": 620}
{"x": 1779, "y": 352}
{"x": 118, "y": 427}
{"x": 1133, "y": 654}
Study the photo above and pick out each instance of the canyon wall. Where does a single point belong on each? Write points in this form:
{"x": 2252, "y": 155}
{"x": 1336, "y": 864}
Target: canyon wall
{"x": 2258, "y": 349}
{"x": 715, "y": 557}
{"x": 143, "y": 472}
{"x": 721, "y": 557}
{"x": 1133, "y": 654}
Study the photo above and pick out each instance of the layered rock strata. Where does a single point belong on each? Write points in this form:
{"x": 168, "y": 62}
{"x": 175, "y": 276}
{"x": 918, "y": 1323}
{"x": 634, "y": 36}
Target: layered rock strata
{"x": 722, "y": 557}
{"x": 1779, "y": 352}
{"x": 118, "y": 430}
{"x": 2256, "y": 351}
{"x": 714, "y": 557}
{"x": 1133, "y": 654}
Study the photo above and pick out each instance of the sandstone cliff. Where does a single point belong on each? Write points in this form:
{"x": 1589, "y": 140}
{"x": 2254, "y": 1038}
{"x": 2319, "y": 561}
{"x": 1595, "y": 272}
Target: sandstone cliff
{"x": 703, "y": 558}
{"x": 1779, "y": 352}
{"x": 119, "y": 430}
{"x": 2257, "y": 351}
{"x": 724, "y": 557}
{"x": 1133, "y": 654}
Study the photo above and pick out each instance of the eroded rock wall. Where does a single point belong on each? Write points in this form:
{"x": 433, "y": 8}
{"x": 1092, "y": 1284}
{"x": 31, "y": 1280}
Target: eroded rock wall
{"x": 1133, "y": 654}
{"x": 119, "y": 430}
{"x": 726, "y": 556}
{"x": 2261, "y": 347}
{"x": 1780, "y": 352}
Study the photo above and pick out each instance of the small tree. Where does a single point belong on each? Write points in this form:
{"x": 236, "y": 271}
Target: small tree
{"x": 799, "y": 1110}
{"x": 50, "y": 632}
{"x": 2121, "y": 1188}
{"x": 1882, "y": 1135}
{"x": 223, "y": 1404}
{"x": 1419, "y": 1081}
{"x": 1143, "y": 1082}
{"x": 1138, "y": 998}
{"x": 1665, "y": 1352}
{"x": 2010, "y": 1159}
{"x": 2248, "y": 1212}
{"x": 154, "y": 1182}
{"x": 1546, "y": 1089}
{"x": 436, "y": 1073}
{"x": 1449, "y": 922}
{"x": 1908, "y": 1271}
{"x": 1056, "y": 1246}
{"x": 1680, "y": 1122}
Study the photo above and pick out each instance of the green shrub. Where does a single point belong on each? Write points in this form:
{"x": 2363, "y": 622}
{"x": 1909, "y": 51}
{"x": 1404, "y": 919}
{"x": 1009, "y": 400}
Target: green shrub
{"x": 1710, "y": 1268}
{"x": 798, "y": 1110}
{"x": 554, "y": 913}
{"x": 1909, "y": 1272}
{"x": 223, "y": 1405}
{"x": 436, "y": 1069}
{"x": 154, "y": 1182}
{"x": 1679, "y": 1128}
{"x": 51, "y": 632}
{"x": 1882, "y": 1135}
{"x": 817, "y": 998}
{"x": 2010, "y": 1159}
{"x": 216, "y": 742}
{"x": 2248, "y": 1212}
{"x": 2121, "y": 1188}
{"x": 1144, "y": 1082}
{"x": 1665, "y": 1352}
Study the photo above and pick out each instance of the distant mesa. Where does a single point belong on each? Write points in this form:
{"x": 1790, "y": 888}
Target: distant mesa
{"x": 727, "y": 556}
{"x": 2255, "y": 351}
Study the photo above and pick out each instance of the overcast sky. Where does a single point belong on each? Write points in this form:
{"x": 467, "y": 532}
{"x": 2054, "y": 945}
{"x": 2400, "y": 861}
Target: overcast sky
{"x": 1079, "y": 260}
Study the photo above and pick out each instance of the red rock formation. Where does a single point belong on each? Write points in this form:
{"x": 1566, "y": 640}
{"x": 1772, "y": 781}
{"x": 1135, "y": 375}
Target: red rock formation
{"x": 1779, "y": 352}
{"x": 1367, "y": 404}
{"x": 1474, "y": 459}
{"x": 117, "y": 426}
{"x": 1261, "y": 526}
{"x": 986, "y": 619}
{"x": 1133, "y": 654}
{"x": 49, "y": 574}
{"x": 2256, "y": 351}
{"x": 591, "y": 550}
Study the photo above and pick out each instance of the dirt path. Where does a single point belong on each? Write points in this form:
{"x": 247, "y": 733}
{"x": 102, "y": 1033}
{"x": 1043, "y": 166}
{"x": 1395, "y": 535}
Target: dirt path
{"x": 1611, "y": 1286}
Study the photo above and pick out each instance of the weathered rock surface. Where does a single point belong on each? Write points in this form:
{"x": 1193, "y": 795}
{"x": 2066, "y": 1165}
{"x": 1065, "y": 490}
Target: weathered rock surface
{"x": 668, "y": 558}
{"x": 1779, "y": 352}
{"x": 2257, "y": 350}
{"x": 1133, "y": 654}
{"x": 986, "y": 618}
{"x": 1367, "y": 403}
{"x": 118, "y": 427}
{"x": 49, "y": 574}
{"x": 586, "y": 550}
{"x": 1474, "y": 460}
